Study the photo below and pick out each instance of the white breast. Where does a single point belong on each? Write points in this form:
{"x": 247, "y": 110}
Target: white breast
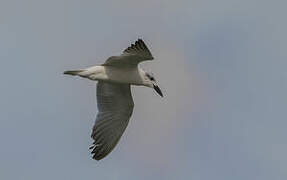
{"x": 127, "y": 75}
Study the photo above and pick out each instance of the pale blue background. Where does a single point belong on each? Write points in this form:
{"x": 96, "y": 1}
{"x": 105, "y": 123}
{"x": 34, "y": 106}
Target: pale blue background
{"x": 221, "y": 65}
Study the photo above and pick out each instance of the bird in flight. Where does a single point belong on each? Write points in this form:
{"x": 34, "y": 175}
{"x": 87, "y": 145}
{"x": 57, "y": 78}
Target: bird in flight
{"x": 114, "y": 99}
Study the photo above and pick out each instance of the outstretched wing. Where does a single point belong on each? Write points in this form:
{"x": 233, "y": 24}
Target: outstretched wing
{"x": 131, "y": 56}
{"x": 115, "y": 105}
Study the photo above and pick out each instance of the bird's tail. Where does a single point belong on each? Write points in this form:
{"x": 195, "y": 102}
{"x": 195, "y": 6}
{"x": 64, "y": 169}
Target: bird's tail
{"x": 73, "y": 72}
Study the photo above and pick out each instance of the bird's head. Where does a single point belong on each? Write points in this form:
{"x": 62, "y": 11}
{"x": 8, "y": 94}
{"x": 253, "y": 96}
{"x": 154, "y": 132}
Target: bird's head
{"x": 150, "y": 81}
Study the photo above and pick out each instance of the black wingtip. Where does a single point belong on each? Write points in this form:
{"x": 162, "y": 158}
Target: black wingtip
{"x": 98, "y": 156}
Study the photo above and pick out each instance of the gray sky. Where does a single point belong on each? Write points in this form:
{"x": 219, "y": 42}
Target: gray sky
{"x": 221, "y": 65}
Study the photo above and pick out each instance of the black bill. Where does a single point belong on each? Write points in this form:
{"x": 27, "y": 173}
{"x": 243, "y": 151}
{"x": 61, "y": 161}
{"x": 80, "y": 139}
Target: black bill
{"x": 157, "y": 89}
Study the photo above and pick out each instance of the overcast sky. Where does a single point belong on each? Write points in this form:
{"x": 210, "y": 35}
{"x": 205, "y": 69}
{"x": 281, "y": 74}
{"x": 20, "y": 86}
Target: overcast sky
{"x": 221, "y": 65}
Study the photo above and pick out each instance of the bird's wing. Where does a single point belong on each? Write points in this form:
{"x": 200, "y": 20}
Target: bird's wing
{"x": 131, "y": 56}
{"x": 115, "y": 106}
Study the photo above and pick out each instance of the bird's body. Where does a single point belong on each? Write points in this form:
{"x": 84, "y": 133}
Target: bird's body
{"x": 115, "y": 103}
{"x": 133, "y": 75}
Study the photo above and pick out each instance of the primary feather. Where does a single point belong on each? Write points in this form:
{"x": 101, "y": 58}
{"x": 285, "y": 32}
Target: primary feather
{"x": 131, "y": 56}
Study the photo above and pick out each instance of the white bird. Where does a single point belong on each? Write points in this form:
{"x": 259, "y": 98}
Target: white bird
{"x": 114, "y": 99}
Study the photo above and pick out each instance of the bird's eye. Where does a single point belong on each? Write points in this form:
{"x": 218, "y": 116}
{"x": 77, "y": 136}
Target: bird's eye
{"x": 150, "y": 77}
